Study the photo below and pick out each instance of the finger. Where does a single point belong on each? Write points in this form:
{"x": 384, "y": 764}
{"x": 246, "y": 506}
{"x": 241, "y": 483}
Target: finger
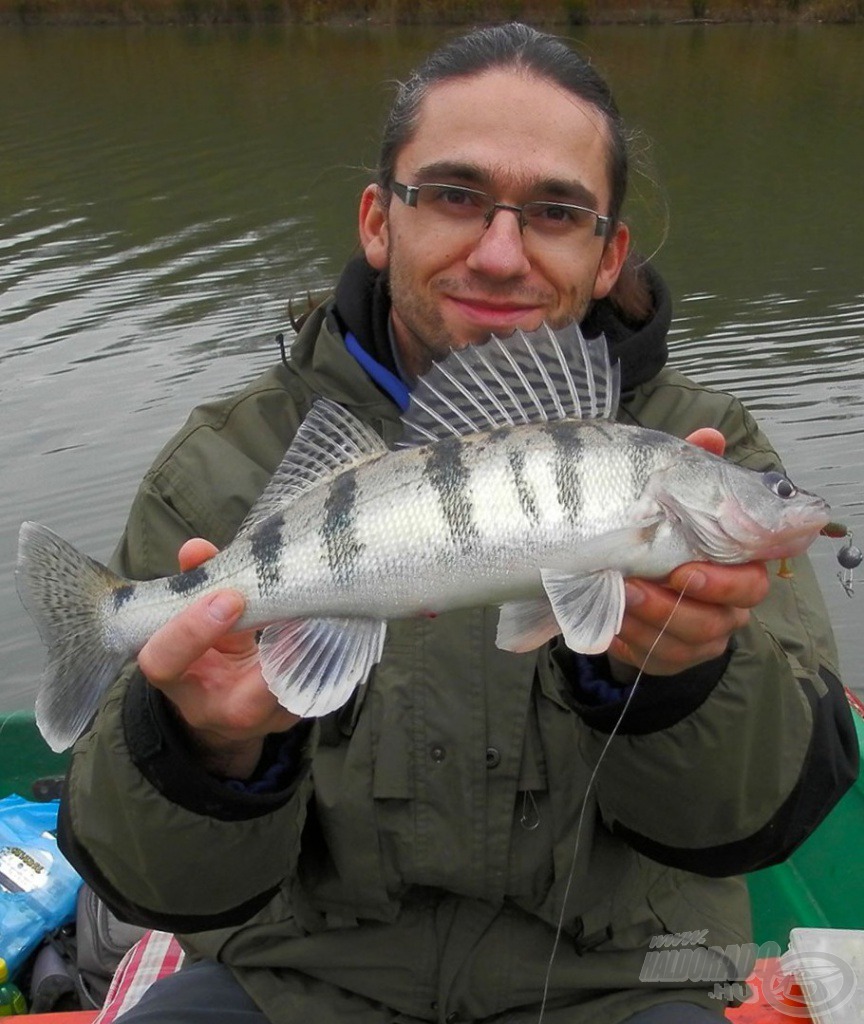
{"x": 741, "y": 586}
{"x": 709, "y": 439}
{"x": 664, "y": 651}
{"x": 194, "y": 552}
{"x": 182, "y": 640}
{"x": 666, "y": 633}
{"x": 665, "y": 657}
{"x": 658, "y": 608}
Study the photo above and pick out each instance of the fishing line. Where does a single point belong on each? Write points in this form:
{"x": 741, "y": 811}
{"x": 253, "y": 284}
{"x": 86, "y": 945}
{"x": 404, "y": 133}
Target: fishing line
{"x": 560, "y": 928}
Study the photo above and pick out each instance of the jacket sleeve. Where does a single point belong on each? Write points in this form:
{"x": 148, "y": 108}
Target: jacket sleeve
{"x": 139, "y": 815}
{"x": 726, "y": 775}
{"x": 730, "y": 766}
{"x": 164, "y": 844}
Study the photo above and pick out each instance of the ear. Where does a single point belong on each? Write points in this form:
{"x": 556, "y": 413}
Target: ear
{"x": 611, "y": 262}
{"x": 374, "y": 229}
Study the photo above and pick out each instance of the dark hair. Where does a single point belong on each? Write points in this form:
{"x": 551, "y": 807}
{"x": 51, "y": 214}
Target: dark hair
{"x": 513, "y": 46}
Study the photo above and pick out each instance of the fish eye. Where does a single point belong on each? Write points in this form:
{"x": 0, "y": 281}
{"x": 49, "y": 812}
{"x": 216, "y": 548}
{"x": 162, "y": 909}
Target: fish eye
{"x": 781, "y": 485}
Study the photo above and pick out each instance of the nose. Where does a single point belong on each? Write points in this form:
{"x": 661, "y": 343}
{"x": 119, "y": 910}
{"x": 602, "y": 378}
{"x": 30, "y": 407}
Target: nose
{"x": 500, "y": 250}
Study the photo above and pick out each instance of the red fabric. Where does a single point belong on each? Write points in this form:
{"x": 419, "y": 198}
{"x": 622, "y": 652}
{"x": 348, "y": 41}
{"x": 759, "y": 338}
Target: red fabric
{"x": 154, "y": 956}
{"x": 74, "y": 1017}
{"x": 781, "y": 991}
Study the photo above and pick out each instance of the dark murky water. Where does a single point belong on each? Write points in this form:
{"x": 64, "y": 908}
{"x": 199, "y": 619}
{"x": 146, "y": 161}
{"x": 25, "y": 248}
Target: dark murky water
{"x": 164, "y": 195}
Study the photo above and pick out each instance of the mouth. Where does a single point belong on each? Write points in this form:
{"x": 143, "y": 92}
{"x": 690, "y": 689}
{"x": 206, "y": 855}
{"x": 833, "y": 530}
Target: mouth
{"x": 789, "y": 545}
{"x": 790, "y": 538}
{"x": 495, "y": 314}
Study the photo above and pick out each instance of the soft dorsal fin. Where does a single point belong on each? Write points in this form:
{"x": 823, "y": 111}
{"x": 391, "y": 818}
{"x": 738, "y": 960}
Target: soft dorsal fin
{"x": 526, "y": 378}
{"x": 329, "y": 440}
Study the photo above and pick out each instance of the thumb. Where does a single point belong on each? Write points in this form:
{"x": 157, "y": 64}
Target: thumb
{"x": 709, "y": 439}
{"x": 190, "y": 634}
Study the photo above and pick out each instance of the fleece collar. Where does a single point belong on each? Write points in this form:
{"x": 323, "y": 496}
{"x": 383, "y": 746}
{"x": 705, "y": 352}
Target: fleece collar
{"x": 362, "y": 309}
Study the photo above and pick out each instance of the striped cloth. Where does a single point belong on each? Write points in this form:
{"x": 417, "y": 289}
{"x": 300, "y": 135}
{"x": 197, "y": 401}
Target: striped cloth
{"x": 152, "y": 957}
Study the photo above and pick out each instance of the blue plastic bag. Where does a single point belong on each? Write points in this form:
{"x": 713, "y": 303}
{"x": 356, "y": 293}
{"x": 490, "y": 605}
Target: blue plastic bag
{"x": 38, "y": 886}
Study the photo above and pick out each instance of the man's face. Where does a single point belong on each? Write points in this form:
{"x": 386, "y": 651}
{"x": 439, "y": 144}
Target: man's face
{"x": 518, "y": 138}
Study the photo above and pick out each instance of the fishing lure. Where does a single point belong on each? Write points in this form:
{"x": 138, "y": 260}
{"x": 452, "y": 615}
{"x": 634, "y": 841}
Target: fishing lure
{"x": 849, "y": 556}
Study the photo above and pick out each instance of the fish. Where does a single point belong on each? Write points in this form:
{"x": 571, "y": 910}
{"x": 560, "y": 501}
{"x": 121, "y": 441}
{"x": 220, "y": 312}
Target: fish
{"x": 512, "y": 485}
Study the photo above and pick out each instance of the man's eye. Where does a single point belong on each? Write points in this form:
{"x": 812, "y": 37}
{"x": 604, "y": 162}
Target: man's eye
{"x": 455, "y": 197}
{"x": 556, "y": 214}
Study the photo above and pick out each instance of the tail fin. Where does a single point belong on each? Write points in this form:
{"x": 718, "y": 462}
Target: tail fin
{"x": 63, "y": 591}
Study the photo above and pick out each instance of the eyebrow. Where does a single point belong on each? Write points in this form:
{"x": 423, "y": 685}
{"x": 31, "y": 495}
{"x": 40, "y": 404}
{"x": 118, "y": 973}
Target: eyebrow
{"x": 566, "y": 190}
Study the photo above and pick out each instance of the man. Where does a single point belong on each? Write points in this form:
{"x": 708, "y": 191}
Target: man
{"x": 438, "y": 849}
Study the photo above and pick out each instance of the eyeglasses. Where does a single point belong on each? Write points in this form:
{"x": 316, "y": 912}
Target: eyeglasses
{"x": 451, "y": 208}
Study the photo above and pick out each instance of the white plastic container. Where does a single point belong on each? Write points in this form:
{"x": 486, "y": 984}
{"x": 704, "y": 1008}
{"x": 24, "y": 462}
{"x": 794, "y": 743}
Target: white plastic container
{"x": 828, "y": 964}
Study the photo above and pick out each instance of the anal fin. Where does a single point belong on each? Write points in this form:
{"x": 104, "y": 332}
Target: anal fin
{"x": 589, "y": 608}
{"x": 526, "y": 625}
{"x": 312, "y": 666}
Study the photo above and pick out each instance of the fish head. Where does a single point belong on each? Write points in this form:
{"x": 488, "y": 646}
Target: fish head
{"x": 731, "y": 514}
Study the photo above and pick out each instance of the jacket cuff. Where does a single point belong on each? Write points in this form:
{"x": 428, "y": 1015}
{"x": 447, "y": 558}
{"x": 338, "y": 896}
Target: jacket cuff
{"x": 160, "y": 750}
{"x": 829, "y": 770}
{"x": 658, "y": 702}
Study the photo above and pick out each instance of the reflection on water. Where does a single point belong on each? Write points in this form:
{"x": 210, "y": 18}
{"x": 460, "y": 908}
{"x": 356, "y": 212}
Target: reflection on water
{"x": 167, "y": 193}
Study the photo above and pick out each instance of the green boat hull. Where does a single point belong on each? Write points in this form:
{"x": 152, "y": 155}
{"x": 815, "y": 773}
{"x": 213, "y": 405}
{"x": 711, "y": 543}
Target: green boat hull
{"x": 24, "y": 755}
{"x": 819, "y": 886}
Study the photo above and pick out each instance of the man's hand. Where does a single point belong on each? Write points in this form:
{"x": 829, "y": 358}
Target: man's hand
{"x": 213, "y": 677}
{"x": 716, "y": 601}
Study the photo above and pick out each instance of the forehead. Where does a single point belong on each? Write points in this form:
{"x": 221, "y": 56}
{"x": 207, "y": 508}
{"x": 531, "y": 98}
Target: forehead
{"x": 515, "y": 128}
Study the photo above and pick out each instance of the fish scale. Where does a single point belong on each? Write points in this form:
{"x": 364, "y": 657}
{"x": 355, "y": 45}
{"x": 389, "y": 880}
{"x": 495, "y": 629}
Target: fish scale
{"x": 502, "y": 492}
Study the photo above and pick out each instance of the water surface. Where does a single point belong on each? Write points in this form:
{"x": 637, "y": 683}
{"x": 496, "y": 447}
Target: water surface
{"x": 167, "y": 193}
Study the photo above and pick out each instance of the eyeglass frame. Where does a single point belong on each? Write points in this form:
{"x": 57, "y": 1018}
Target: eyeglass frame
{"x": 409, "y": 194}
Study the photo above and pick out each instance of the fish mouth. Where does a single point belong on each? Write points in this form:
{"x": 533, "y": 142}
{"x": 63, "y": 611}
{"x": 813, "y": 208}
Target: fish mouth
{"x": 796, "y": 531}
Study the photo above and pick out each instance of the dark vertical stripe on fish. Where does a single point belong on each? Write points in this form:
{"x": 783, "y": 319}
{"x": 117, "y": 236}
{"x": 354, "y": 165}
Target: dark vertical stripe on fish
{"x": 265, "y": 543}
{"x": 339, "y": 528}
{"x": 451, "y": 479}
{"x": 122, "y": 594}
{"x": 187, "y": 581}
{"x": 568, "y": 456}
{"x": 524, "y": 490}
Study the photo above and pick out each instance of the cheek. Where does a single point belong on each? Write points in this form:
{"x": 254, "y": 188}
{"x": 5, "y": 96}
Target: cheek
{"x": 423, "y": 265}
{"x": 572, "y": 297}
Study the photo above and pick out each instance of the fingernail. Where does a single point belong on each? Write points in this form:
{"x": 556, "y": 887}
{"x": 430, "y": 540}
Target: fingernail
{"x": 696, "y": 580}
{"x": 635, "y": 595}
{"x": 225, "y": 606}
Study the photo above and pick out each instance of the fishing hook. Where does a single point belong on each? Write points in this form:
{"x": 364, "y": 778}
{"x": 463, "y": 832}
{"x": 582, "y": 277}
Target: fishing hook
{"x": 529, "y": 821}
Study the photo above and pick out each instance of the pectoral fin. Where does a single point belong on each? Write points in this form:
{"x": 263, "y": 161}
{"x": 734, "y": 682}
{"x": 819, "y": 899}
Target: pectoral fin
{"x": 526, "y": 625}
{"x": 313, "y": 665}
{"x": 589, "y": 609}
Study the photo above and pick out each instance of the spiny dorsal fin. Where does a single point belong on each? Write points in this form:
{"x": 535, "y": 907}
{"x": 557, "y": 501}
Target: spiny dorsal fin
{"x": 328, "y": 441}
{"x": 526, "y": 378}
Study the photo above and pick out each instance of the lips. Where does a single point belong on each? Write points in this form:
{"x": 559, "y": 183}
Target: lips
{"x": 493, "y": 314}
{"x": 788, "y": 538}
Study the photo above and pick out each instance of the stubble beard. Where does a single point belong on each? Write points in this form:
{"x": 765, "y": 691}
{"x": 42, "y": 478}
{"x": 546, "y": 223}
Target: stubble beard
{"x": 422, "y": 335}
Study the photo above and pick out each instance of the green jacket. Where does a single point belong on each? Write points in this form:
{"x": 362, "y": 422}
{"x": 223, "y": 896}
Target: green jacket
{"x": 421, "y": 849}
